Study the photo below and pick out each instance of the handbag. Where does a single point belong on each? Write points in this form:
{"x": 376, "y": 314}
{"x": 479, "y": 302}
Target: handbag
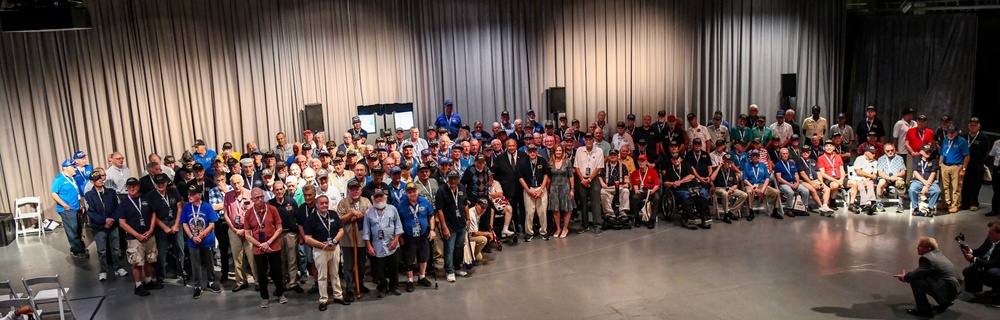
{"x": 987, "y": 174}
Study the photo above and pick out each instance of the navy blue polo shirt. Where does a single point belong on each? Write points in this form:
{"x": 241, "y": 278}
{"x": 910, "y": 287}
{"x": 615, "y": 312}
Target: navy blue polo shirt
{"x": 323, "y": 229}
{"x": 138, "y": 214}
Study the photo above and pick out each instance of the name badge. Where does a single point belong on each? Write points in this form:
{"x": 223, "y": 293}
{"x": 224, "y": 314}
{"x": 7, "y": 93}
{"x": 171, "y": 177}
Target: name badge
{"x": 261, "y": 237}
{"x": 587, "y": 172}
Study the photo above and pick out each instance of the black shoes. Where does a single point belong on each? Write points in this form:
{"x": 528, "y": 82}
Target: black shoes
{"x": 342, "y": 301}
{"x": 153, "y": 285}
{"x": 686, "y": 224}
{"x": 365, "y": 290}
{"x": 751, "y": 216}
{"x": 409, "y": 286}
{"x": 141, "y": 291}
{"x": 322, "y": 306}
{"x": 544, "y": 237}
{"x": 992, "y": 214}
{"x": 528, "y": 238}
{"x": 920, "y": 313}
{"x": 424, "y": 282}
{"x": 776, "y": 215}
{"x": 395, "y": 291}
{"x": 197, "y": 293}
{"x": 212, "y": 286}
{"x": 296, "y": 288}
{"x": 382, "y": 293}
{"x": 726, "y": 218}
{"x": 942, "y": 308}
{"x": 349, "y": 297}
{"x": 239, "y": 287}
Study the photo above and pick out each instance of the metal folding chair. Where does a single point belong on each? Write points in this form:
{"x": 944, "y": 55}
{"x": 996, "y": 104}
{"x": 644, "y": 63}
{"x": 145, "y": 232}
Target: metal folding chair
{"x": 7, "y": 292}
{"x": 13, "y": 304}
{"x": 48, "y": 290}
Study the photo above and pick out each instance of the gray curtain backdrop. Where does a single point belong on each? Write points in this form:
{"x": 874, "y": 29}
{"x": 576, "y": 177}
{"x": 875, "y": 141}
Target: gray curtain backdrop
{"x": 154, "y": 75}
{"x": 924, "y": 62}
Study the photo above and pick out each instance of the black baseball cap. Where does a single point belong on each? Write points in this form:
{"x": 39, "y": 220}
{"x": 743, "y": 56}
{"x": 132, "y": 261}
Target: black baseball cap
{"x": 727, "y": 157}
{"x": 353, "y": 184}
{"x": 691, "y": 116}
{"x": 194, "y": 188}
{"x": 197, "y": 166}
{"x": 96, "y": 175}
{"x": 161, "y": 178}
{"x": 132, "y": 182}
{"x": 227, "y": 145}
{"x": 922, "y": 117}
{"x": 613, "y": 152}
{"x": 805, "y": 148}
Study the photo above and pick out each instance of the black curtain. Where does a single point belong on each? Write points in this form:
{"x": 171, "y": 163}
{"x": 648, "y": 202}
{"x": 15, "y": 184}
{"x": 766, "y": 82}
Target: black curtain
{"x": 924, "y": 62}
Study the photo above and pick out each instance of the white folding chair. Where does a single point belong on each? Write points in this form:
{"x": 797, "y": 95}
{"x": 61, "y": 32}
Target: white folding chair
{"x": 21, "y": 214}
{"x": 48, "y": 290}
{"x": 12, "y": 304}
{"x": 7, "y": 292}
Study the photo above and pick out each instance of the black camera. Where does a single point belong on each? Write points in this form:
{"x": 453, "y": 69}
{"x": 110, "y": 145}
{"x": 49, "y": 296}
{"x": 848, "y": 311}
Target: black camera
{"x": 960, "y": 238}
{"x": 246, "y": 202}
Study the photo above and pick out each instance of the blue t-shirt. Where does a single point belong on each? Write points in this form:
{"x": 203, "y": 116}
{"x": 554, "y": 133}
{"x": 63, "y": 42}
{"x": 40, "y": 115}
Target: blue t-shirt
{"x": 756, "y": 174}
{"x": 83, "y": 176}
{"x": 424, "y": 212}
{"x": 68, "y": 191}
{"x": 787, "y": 170}
{"x": 954, "y": 151}
{"x": 198, "y": 220}
{"x": 206, "y": 161}
{"x": 740, "y": 159}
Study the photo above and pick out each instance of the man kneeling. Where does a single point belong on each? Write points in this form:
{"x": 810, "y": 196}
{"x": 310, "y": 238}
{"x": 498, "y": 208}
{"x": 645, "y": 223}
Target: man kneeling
{"x": 935, "y": 276}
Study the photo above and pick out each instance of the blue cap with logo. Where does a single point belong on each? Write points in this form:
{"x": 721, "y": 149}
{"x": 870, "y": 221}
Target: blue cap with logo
{"x": 79, "y": 155}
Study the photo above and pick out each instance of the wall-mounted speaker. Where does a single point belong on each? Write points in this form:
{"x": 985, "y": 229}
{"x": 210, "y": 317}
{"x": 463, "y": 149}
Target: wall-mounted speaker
{"x": 557, "y": 100}
{"x": 314, "y": 117}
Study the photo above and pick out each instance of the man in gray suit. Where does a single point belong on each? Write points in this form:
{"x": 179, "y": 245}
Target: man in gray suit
{"x": 935, "y": 276}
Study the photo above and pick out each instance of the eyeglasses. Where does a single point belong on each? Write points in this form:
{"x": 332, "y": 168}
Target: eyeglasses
{"x": 890, "y": 150}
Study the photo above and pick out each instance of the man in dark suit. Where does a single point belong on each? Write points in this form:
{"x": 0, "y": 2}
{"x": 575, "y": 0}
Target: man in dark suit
{"x": 935, "y": 276}
{"x": 505, "y": 171}
{"x": 985, "y": 268}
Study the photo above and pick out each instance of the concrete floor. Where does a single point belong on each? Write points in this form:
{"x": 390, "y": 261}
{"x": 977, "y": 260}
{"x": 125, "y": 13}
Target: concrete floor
{"x": 796, "y": 268}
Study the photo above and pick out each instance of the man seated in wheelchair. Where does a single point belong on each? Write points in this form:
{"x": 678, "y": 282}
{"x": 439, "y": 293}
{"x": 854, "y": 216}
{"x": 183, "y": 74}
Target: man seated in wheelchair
{"x": 757, "y": 180}
{"x": 862, "y": 185}
{"x": 786, "y": 172}
{"x": 924, "y": 188}
{"x": 645, "y": 183}
{"x": 727, "y": 185}
{"x": 614, "y": 178}
{"x": 689, "y": 192}
{"x": 891, "y": 171}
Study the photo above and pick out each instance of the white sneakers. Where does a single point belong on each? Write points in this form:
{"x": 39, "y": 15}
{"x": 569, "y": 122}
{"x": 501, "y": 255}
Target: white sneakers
{"x": 121, "y": 272}
{"x": 825, "y": 208}
{"x": 451, "y": 277}
{"x": 461, "y": 273}
{"x": 506, "y": 233}
{"x": 102, "y": 276}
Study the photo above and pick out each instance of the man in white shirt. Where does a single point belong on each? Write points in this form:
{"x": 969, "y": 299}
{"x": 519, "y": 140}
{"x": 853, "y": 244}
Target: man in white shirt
{"x": 117, "y": 174}
{"x": 698, "y": 131}
{"x": 718, "y": 131}
{"x": 899, "y": 135}
{"x": 866, "y": 172}
{"x": 588, "y": 162}
{"x": 622, "y": 138}
{"x": 418, "y": 143}
{"x": 781, "y": 129}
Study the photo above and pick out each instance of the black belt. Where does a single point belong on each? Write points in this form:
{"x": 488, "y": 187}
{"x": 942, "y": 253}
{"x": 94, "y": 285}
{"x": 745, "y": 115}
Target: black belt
{"x": 292, "y": 230}
{"x": 957, "y": 164}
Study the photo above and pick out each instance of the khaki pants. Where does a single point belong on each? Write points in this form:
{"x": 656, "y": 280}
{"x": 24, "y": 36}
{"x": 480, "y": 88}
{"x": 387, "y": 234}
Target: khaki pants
{"x": 534, "y": 207}
{"x": 478, "y": 243}
{"x": 437, "y": 250}
{"x": 328, "y": 268}
{"x": 951, "y": 184}
{"x": 241, "y": 250}
{"x": 608, "y": 196}
{"x": 741, "y": 197}
{"x": 290, "y": 255}
{"x": 770, "y": 195}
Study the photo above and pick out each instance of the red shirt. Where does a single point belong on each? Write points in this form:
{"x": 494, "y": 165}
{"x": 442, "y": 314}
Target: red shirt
{"x": 914, "y": 139}
{"x": 832, "y": 164}
{"x": 652, "y": 178}
{"x": 271, "y": 221}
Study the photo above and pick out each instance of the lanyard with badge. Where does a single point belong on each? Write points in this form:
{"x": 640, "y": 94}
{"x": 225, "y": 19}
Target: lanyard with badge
{"x": 196, "y": 222}
{"x": 756, "y": 173}
{"x": 725, "y": 175}
{"x": 951, "y": 142}
{"x": 138, "y": 208}
{"x": 870, "y": 123}
{"x": 833, "y": 166}
{"x": 923, "y": 168}
{"x": 454, "y": 195}
{"x": 166, "y": 201}
{"x": 534, "y": 178}
{"x": 788, "y": 168}
{"x": 808, "y": 167}
{"x": 72, "y": 182}
{"x": 415, "y": 211}
{"x": 100, "y": 196}
{"x": 426, "y": 187}
{"x": 972, "y": 139}
{"x": 326, "y": 225}
{"x": 260, "y": 223}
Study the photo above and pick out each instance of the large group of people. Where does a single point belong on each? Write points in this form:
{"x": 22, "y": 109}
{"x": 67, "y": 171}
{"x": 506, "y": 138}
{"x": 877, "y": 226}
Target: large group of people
{"x": 418, "y": 201}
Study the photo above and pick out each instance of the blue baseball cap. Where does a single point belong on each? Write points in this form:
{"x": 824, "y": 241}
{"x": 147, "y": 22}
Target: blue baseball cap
{"x": 754, "y": 153}
{"x": 781, "y": 114}
{"x": 68, "y": 163}
{"x": 445, "y": 161}
{"x": 448, "y": 103}
{"x": 425, "y": 152}
{"x": 395, "y": 170}
{"x": 530, "y": 111}
{"x": 381, "y": 149}
{"x": 79, "y": 155}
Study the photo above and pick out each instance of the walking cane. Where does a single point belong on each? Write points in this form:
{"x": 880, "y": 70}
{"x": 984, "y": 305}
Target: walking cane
{"x": 357, "y": 281}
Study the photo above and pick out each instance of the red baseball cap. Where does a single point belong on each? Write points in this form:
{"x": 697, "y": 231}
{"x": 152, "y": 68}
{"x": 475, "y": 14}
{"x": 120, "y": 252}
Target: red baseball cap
{"x": 643, "y": 157}
{"x": 671, "y": 118}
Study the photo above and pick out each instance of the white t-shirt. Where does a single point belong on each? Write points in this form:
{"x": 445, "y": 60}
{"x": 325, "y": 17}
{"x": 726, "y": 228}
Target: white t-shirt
{"x": 701, "y": 132}
{"x": 862, "y": 163}
{"x": 899, "y": 132}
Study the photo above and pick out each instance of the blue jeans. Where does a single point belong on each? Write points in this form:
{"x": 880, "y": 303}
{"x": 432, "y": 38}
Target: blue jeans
{"x": 453, "y": 251}
{"x": 305, "y": 259}
{"x": 178, "y": 243}
{"x": 916, "y": 186}
{"x": 101, "y": 238}
{"x": 71, "y": 225}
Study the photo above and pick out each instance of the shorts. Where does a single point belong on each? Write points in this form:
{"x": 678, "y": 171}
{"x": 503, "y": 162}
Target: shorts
{"x": 415, "y": 250}
{"x": 139, "y": 253}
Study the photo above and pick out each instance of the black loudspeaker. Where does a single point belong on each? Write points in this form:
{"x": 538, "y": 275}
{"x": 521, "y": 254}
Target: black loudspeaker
{"x": 314, "y": 117}
{"x": 557, "y": 100}
{"x": 789, "y": 85}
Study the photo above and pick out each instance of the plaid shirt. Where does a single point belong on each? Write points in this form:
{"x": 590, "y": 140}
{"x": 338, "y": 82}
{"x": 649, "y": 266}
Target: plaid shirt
{"x": 215, "y": 196}
{"x": 891, "y": 167}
